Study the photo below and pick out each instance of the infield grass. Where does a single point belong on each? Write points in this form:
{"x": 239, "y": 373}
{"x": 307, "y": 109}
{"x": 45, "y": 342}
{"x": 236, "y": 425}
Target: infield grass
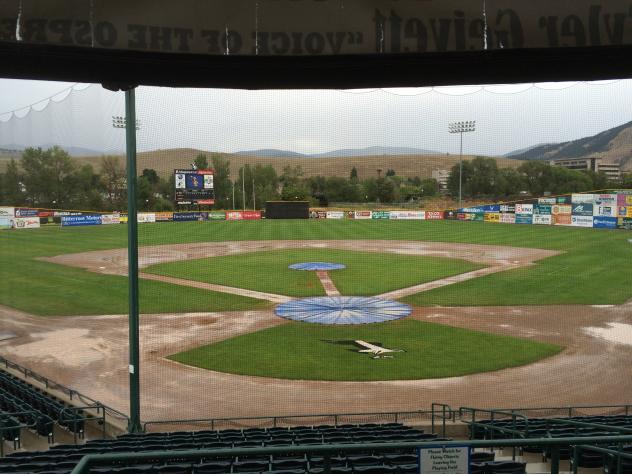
{"x": 594, "y": 267}
{"x": 366, "y": 273}
{"x": 304, "y": 351}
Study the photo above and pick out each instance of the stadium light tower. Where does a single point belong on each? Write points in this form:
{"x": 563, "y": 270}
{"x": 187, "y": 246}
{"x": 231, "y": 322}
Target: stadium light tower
{"x": 461, "y": 128}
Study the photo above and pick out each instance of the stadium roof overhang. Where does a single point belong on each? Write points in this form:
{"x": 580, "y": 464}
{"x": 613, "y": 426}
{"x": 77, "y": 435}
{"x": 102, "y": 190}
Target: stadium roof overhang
{"x": 315, "y": 43}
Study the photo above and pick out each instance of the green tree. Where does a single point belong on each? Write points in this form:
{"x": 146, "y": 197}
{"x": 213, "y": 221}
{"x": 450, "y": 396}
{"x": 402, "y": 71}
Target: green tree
{"x": 221, "y": 182}
{"x": 13, "y": 188}
{"x": 112, "y": 174}
{"x": 145, "y": 194}
{"x": 200, "y": 162}
{"x": 150, "y": 175}
{"x": 49, "y": 176}
{"x": 354, "y": 174}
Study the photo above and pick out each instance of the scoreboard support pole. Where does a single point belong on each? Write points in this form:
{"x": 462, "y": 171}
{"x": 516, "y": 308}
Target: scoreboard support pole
{"x": 134, "y": 425}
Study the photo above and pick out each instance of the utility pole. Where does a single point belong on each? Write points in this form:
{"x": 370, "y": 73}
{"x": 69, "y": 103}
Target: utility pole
{"x": 233, "y": 195}
{"x": 243, "y": 186}
{"x": 461, "y": 128}
{"x": 254, "y": 208}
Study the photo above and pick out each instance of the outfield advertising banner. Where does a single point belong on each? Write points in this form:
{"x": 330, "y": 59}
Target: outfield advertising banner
{"x": 625, "y": 211}
{"x": 381, "y": 215}
{"x": 5, "y": 222}
{"x": 25, "y": 212}
{"x": 408, "y": 215}
{"x": 605, "y": 211}
{"x": 606, "y": 199}
{"x": 363, "y": 215}
{"x": 624, "y": 199}
{"x": 600, "y": 222}
{"x": 471, "y": 216}
{"x": 562, "y": 219}
{"x": 542, "y": 219}
{"x": 75, "y": 221}
{"x": 624, "y": 223}
{"x": 434, "y": 215}
{"x": 582, "y": 198}
{"x": 524, "y": 218}
{"x": 26, "y": 222}
{"x": 548, "y": 200}
{"x": 164, "y": 216}
{"x": 189, "y": 216}
{"x": 562, "y": 209}
{"x": 335, "y": 215}
{"x": 524, "y": 208}
{"x": 583, "y": 209}
{"x": 216, "y": 216}
{"x": 145, "y": 217}
{"x": 107, "y": 219}
{"x": 507, "y": 218}
{"x": 582, "y": 221}
{"x": 508, "y": 208}
{"x": 492, "y": 217}
{"x": 564, "y": 199}
{"x": 542, "y": 209}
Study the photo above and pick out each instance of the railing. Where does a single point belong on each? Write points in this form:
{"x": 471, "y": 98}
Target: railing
{"x": 69, "y": 392}
{"x": 493, "y": 416}
{"x": 75, "y": 418}
{"x": 92, "y": 460}
{"x": 293, "y": 420}
{"x": 4, "y": 429}
{"x": 570, "y": 411}
{"x": 442, "y": 412}
{"x": 606, "y": 451}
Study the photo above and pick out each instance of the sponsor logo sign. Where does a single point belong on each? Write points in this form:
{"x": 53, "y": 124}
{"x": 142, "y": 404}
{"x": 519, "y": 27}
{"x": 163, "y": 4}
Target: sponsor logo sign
{"x": 7, "y": 212}
{"x": 564, "y": 199}
{"x": 67, "y": 213}
{"x": 492, "y": 217}
{"x": 561, "y": 209}
{"x": 480, "y": 209}
{"x": 381, "y": 215}
{"x": 189, "y": 216}
{"x": 542, "y": 219}
{"x": 507, "y": 208}
{"x": 582, "y": 209}
{"x": 251, "y": 215}
{"x": 110, "y": 219}
{"x": 524, "y": 208}
{"x": 335, "y": 215}
{"x": 471, "y": 216}
{"x": 216, "y": 216}
{"x": 45, "y": 213}
{"x": 322, "y": 214}
{"x": 507, "y": 218}
{"x": 434, "y": 215}
{"x": 524, "y": 218}
{"x": 605, "y": 211}
{"x": 408, "y": 215}
{"x": 363, "y": 214}
{"x": 5, "y": 222}
{"x": 232, "y": 216}
{"x": 444, "y": 460}
{"x": 451, "y": 215}
{"x": 145, "y": 217}
{"x": 549, "y": 200}
{"x": 561, "y": 219}
{"x": 582, "y": 221}
{"x": 582, "y": 198}
{"x": 625, "y": 211}
{"x": 24, "y": 212}
{"x": 72, "y": 221}
{"x": 542, "y": 209}
{"x": 164, "y": 216}
{"x": 600, "y": 222}
{"x": 606, "y": 199}
{"x": 624, "y": 199}
{"x": 26, "y": 222}
{"x": 624, "y": 223}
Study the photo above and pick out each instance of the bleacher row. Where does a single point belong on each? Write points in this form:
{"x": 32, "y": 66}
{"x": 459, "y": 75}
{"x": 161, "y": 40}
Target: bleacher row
{"x": 34, "y": 407}
{"x": 61, "y": 459}
{"x": 544, "y": 428}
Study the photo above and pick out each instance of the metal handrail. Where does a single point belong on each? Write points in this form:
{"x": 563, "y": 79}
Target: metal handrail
{"x": 613, "y": 452}
{"x": 15, "y": 414}
{"x": 99, "y": 459}
{"x": 50, "y": 384}
{"x": 76, "y": 418}
{"x": 274, "y": 420}
{"x": 446, "y": 413}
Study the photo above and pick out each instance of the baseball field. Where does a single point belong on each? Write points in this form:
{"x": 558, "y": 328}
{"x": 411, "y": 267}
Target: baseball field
{"x": 494, "y": 309}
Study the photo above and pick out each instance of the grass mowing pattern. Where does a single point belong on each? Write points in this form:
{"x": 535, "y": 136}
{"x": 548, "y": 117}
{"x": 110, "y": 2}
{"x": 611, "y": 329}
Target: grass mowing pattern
{"x": 367, "y": 273}
{"x": 602, "y": 254}
{"x": 299, "y": 351}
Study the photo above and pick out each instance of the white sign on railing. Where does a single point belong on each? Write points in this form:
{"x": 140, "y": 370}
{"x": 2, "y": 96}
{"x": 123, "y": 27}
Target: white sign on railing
{"x": 444, "y": 460}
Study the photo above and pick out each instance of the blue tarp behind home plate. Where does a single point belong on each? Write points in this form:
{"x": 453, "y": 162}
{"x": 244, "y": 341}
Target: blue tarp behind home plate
{"x": 343, "y": 310}
{"x": 317, "y": 266}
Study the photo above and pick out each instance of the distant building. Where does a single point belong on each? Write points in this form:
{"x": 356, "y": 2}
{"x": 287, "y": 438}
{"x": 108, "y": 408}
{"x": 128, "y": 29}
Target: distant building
{"x": 442, "y": 178}
{"x": 611, "y": 170}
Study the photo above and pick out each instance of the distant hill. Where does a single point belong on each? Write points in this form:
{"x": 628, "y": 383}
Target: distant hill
{"x": 368, "y": 151}
{"x": 613, "y": 145}
{"x": 71, "y": 150}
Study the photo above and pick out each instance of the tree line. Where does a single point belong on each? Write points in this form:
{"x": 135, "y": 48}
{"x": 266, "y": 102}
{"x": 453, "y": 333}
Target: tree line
{"x": 52, "y": 179}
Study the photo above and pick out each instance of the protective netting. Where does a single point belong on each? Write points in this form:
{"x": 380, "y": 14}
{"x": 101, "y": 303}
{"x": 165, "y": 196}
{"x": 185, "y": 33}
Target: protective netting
{"x": 375, "y": 176}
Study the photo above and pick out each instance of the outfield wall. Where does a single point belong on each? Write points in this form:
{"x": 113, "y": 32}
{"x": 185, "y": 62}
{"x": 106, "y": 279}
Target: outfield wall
{"x": 598, "y": 211}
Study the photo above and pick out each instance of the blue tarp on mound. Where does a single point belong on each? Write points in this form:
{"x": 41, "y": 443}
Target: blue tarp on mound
{"x": 315, "y": 266}
{"x": 343, "y": 310}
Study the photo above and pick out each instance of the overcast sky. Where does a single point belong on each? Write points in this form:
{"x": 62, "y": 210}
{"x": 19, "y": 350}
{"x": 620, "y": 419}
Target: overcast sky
{"x": 508, "y": 117}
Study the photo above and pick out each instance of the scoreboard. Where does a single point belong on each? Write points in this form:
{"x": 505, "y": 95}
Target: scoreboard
{"x": 194, "y": 187}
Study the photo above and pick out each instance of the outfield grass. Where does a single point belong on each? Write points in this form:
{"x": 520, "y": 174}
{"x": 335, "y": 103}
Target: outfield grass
{"x": 594, "y": 268}
{"x": 366, "y": 273}
{"x": 304, "y": 351}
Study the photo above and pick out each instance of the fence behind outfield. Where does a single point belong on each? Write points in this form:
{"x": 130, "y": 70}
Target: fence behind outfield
{"x": 610, "y": 210}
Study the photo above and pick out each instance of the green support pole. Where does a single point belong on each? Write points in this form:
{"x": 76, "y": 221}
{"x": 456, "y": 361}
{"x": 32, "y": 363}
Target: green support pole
{"x": 132, "y": 259}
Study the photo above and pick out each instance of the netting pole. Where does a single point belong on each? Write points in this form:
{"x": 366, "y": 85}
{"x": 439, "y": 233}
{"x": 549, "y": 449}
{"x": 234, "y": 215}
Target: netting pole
{"x": 132, "y": 258}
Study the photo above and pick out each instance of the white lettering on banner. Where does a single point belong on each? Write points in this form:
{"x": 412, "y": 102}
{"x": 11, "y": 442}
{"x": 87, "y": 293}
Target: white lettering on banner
{"x": 524, "y": 208}
{"x": 26, "y": 223}
{"x": 542, "y": 219}
{"x": 547, "y": 201}
{"x": 317, "y": 27}
{"x": 508, "y": 218}
{"x": 410, "y": 215}
{"x": 145, "y": 217}
{"x": 582, "y": 221}
{"x": 444, "y": 460}
{"x": 335, "y": 215}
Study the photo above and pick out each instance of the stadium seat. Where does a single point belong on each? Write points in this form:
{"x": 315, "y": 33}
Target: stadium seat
{"x": 482, "y": 456}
